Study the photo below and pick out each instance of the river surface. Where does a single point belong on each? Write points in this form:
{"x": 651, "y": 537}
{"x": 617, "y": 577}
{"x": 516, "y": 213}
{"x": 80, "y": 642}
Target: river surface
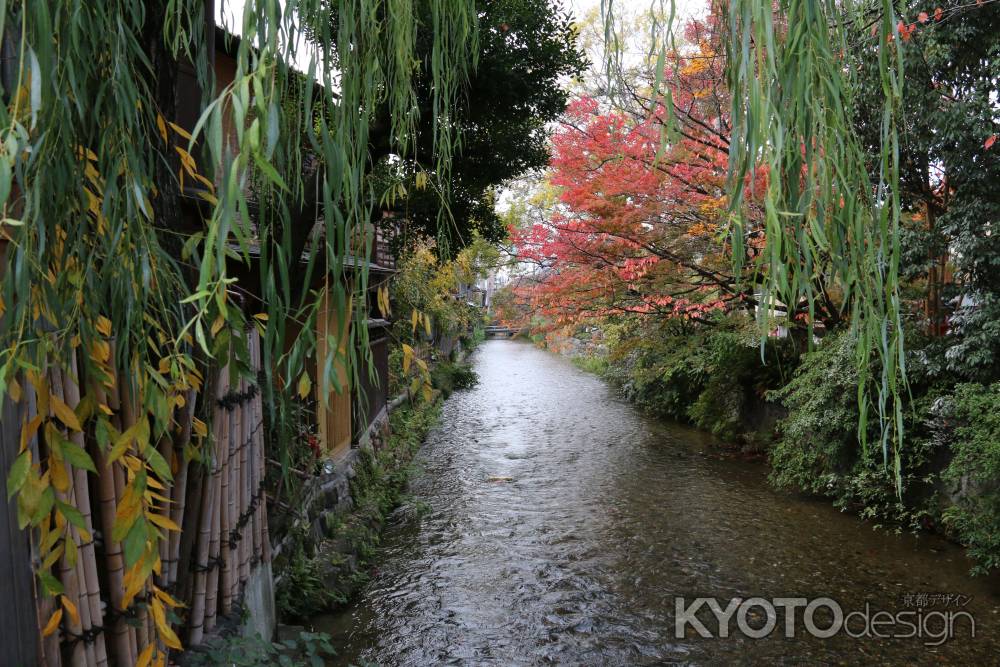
{"x": 552, "y": 523}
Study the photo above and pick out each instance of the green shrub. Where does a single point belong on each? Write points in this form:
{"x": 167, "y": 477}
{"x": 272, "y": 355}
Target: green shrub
{"x": 737, "y": 377}
{"x": 304, "y": 588}
{"x": 449, "y": 377}
{"x": 710, "y": 374}
{"x": 310, "y": 648}
{"x": 969, "y": 421}
{"x": 816, "y": 448}
{"x": 656, "y": 367}
{"x": 591, "y": 363}
{"x": 475, "y": 337}
{"x": 301, "y": 591}
{"x": 819, "y": 452}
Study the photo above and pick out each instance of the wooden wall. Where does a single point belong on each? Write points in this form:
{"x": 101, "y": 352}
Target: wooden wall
{"x": 333, "y": 415}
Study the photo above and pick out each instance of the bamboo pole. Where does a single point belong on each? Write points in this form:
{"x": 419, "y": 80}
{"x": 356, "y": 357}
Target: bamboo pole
{"x": 118, "y": 477}
{"x": 78, "y": 654}
{"x": 234, "y": 512}
{"x": 208, "y": 508}
{"x": 187, "y": 540}
{"x": 244, "y": 492}
{"x": 114, "y": 562}
{"x": 49, "y": 653}
{"x": 265, "y": 541}
{"x": 256, "y": 450}
{"x": 212, "y": 599}
{"x": 165, "y": 446}
{"x": 180, "y": 484}
{"x": 228, "y": 517}
{"x": 130, "y": 415}
{"x": 88, "y": 556}
{"x": 212, "y": 593}
{"x": 240, "y": 492}
{"x": 187, "y": 551}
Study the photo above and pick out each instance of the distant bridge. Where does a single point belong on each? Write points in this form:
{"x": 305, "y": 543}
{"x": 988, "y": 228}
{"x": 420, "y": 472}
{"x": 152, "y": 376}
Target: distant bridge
{"x": 498, "y": 331}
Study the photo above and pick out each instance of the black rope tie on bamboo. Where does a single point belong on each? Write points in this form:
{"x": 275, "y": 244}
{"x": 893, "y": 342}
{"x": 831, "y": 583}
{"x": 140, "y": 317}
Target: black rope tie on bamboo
{"x": 88, "y": 636}
{"x": 249, "y": 441}
{"x": 232, "y": 399}
{"x": 210, "y": 565}
{"x": 111, "y": 616}
{"x": 236, "y": 534}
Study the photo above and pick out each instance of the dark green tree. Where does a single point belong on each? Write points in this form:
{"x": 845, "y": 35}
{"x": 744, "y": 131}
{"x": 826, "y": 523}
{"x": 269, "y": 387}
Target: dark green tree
{"x": 528, "y": 50}
{"x": 949, "y": 170}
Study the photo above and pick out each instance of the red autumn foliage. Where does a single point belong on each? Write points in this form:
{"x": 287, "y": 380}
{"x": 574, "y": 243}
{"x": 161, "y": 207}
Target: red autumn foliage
{"x": 641, "y": 222}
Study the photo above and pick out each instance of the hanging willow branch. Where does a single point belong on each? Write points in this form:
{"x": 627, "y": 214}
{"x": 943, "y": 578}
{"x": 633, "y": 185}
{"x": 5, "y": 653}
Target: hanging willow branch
{"x": 826, "y": 222}
{"x": 98, "y": 188}
{"x": 827, "y": 226}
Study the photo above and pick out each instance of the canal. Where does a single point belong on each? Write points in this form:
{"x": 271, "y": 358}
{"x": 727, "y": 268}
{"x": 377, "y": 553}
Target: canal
{"x": 550, "y": 522}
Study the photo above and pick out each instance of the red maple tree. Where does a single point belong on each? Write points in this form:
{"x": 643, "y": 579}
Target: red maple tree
{"x": 640, "y": 226}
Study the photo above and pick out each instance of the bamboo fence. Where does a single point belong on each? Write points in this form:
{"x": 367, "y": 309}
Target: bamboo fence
{"x": 217, "y": 502}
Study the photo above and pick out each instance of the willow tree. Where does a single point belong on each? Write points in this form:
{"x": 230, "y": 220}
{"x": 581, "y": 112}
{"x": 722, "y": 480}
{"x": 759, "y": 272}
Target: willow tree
{"x": 826, "y": 220}
{"x": 828, "y": 224}
{"x": 92, "y": 172}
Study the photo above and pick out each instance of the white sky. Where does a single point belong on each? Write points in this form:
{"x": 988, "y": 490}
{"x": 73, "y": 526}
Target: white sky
{"x": 683, "y": 7}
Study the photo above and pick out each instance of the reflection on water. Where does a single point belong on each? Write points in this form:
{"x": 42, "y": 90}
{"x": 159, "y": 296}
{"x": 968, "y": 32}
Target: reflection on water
{"x": 605, "y": 518}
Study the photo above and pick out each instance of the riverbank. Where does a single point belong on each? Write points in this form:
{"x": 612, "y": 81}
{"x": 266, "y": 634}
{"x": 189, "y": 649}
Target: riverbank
{"x": 553, "y": 522}
{"x": 325, "y": 559}
{"x": 798, "y": 410}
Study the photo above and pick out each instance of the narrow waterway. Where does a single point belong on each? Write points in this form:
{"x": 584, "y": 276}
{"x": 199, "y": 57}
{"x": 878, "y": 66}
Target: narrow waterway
{"x": 552, "y": 523}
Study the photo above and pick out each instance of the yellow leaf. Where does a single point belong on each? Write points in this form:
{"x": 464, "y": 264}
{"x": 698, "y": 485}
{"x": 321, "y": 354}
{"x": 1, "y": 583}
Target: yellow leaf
{"x": 54, "y": 555}
{"x": 60, "y": 478}
{"x": 104, "y": 326}
{"x": 427, "y": 392}
{"x": 209, "y": 197}
{"x": 261, "y": 316}
{"x": 28, "y": 431}
{"x": 14, "y": 390}
{"x": 160, "y": 618}
{"x": 41, "y": 386}
{"x": 100, "y": 351}
{"x": 135, "y": 584}
{"x": 163, "y": 522}
{"x": 181, "y": 131}
{"x": 217, "y": 325}
{"x": 53, "y": 623}
{"x": 413, "y": 320}
{"x": 105, "y": 409}
{"x": 199, "y": 427}
{"x": 407, "y": 358}
{"x": 305, "y": 384}
{"x": 167, "y": 599}
{"x": 162, "y": 127}
{"x": 70, "y": 608}
{"x": 64, "y": 413}
{"x": 427, "y": 324}
{"x": 207, "y": 183}
{"x": 146, "y": 656}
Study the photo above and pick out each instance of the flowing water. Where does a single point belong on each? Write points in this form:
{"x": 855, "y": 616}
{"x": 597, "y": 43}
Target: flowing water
{"x": 552, "y": 523}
